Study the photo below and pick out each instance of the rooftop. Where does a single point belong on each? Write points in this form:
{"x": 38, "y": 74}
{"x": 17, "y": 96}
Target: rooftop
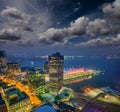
{"x": 64, "y": 106}
{"x": 92, "y": 108}
{"x": 45, "y": 108}
{"x": 103, "y": 100}
{"x": 57, "y": 55}
{"x": 14, "y": 91}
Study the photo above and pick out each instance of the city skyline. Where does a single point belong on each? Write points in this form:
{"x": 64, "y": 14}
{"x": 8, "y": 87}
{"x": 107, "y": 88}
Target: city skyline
{"x": 59, "y": 55}
{"x": 52, "y": 88}
{"x": 79, "y": 27}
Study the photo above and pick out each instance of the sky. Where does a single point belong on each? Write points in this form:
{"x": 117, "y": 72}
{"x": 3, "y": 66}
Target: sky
{"x": 72, "y": 27}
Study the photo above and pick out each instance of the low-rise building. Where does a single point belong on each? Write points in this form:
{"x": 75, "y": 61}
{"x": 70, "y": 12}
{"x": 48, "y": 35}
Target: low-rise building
{"x": 17, "y": 101}
{"x": 103, "y": 100}
{"x": 3, "y": 63}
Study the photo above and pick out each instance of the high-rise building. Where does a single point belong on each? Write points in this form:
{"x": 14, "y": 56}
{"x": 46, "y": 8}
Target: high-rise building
{"x": 45, "y": 68}
{"x": 3, "y": 63}
{"x": 56, "y": 67}
{"x": 14, "y": 69}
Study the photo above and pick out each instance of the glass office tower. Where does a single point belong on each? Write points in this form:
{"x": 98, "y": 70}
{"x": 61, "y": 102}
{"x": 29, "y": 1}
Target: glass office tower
{"x": 56, "y": 67}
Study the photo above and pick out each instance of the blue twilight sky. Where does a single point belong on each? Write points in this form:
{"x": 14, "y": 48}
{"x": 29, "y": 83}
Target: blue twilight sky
{"x": 73, "y": 27}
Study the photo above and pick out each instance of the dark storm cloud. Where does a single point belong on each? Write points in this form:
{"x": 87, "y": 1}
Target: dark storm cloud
{"x": 60, "y": 35}
{"x": 9, "y": 37}
{"x": 22, "y": 20}
{"x": 40, "y": 21}
{"x": 110, "y": 24}
{"x": 27, "y": 43}
{"x": 17, "y": 27}
{"x": 112, "y": 10}
{"x": 13, "y": 12}
{"x": 10, "y": 34}
{"x": 22, "y": 24}
{"x": 27, "y": 28}
{"x": 99, "y": 27}
{"x": 102, "y": 42}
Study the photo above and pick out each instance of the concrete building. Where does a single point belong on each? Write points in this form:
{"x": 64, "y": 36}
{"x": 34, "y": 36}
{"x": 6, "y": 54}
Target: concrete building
{"x": 102, "y": 100}
{"x": 14, "y": 69}
{"x": 56, "y": 67}
{"x": 46, "y": 67}
{"x": 3, "y": 63}
{"x": 17, "y": 101}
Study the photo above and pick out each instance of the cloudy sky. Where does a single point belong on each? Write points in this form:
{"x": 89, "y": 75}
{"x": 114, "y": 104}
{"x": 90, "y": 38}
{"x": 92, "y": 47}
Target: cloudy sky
{"x": 73, "y": 27}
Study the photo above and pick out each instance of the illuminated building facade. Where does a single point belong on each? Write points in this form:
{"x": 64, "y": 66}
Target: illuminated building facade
{"x": 17, "y": 101}
{"x": 14, "y": 69}
{"x": 56, "y": 66}
{"x": 3, "y": 63}
{"x": 46, "y": 67}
